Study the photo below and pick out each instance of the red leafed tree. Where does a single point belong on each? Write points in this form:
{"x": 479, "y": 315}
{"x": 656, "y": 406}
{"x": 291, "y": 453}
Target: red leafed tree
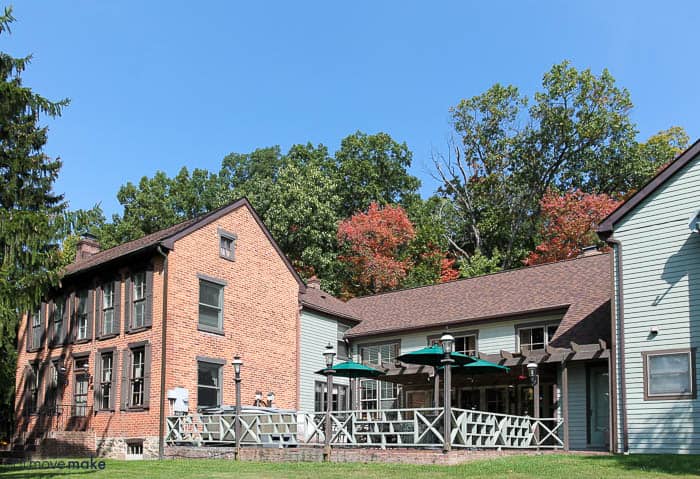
{"x": 448, "y": 272}
{"x": 373, "y": 246}
{"x": 568, "y": 225}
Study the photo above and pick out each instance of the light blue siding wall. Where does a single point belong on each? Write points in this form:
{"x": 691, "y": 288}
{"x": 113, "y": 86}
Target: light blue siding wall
{"x": 316, "y": 332}
{"x": 661, "y": 287}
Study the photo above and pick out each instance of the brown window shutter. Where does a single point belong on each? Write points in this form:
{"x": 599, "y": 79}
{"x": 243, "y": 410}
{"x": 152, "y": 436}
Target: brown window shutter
{"x": 97, "y": 382}
{"x": 98, "y": 312}
{"x": 65, "y": 325}
{"x": 42, "y": 328}
{"x": 90, "y": 311}
{"x": 147, "y": 375}
{"x": 117, "y": 305}
{"x": 28, "y": 331}
{"x": 148, "y": 320}
{"x": 127, "y": 304}
{"x": 50, "y": 332}
{"x": 115, "y": 365}
{"x": 73, "y": 325}
{"x": 124, "y": 399}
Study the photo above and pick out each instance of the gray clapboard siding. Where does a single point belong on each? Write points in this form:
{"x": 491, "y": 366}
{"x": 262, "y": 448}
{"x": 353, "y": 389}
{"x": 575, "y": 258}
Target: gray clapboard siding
{"x": 316, "y": 332}
{"x": 577, "y": 406}
{"x": 661, "y": 286}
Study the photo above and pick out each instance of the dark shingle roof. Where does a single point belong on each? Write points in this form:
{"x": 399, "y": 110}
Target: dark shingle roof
{"x": 580, "y": 287}
{"x": 167, "y": 238}
{"x": 318, "y": 300}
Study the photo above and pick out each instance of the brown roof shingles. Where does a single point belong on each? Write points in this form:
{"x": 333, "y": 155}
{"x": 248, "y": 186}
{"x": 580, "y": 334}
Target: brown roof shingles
{"x": 580, "y": 287}
{"x": 318, "y": 300}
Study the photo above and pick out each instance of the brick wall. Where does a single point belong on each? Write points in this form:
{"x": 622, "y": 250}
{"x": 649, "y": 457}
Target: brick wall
{"x": 261, "y": 316}
{"x": 261, "y": 313}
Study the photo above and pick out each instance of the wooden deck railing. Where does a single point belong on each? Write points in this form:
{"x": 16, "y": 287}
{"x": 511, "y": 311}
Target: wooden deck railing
{"x": 384, "y": 428}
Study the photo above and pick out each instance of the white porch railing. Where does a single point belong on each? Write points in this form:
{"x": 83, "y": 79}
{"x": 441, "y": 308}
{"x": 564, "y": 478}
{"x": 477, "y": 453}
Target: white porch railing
{"x": 377, "y": 428}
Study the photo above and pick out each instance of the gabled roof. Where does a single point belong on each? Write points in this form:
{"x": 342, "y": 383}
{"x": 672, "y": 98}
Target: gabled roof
{"x": 578, "y": 288}
{"x": 167, "y": 238}
{"x": 318, "y": 300}
{"x": 605, "y": 228}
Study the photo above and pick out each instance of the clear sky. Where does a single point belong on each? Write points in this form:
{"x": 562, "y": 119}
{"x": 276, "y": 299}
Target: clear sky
{"x": 158, "y": 85}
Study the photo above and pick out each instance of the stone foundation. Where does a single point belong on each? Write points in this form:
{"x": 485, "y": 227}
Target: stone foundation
{"x": 364, "y": 455}
{"x": 67, "y": 444}
{"x": 116, "y": 447}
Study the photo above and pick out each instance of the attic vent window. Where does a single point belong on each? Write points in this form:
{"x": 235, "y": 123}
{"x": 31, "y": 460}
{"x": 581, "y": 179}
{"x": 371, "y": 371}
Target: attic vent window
{"x": 134, "y": 450}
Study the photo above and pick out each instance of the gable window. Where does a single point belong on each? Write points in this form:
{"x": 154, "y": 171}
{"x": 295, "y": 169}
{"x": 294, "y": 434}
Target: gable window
{"x": 136, "y": 376}
{"x": 104, "y": 390}
{"x": 669, "y": 374}
{"x": 138, "y": 302}
{"x": 209, "y": 378}
{"x": 379, "y": 353}
{"x": 211, "y": 299}
{"x": 81, "y": 316}
{"x": 339, "y": 399}
{"x": 138, "y": 358}
{"x": 227, "y": 245}
{"x": 342, "y": 347}
{"x": 531, "y": 338}
{"x": 37, "y": 330}
{"x": 465, "y": 343}
{"x": 107, "y": 308}
{"x": 80, "y": 388}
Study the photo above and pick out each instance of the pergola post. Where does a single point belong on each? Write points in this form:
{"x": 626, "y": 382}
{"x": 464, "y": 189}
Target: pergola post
{"x": 436, "y": 393}
{"x": 565, "y": 402}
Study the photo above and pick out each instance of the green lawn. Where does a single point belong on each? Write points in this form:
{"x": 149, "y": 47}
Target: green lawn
{"x": 540, "y": 467}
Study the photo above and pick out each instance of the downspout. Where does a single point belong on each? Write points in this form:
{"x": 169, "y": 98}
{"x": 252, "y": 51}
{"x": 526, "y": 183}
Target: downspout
{"x": 161, "y": 418}
{"x": 620, "y": 313}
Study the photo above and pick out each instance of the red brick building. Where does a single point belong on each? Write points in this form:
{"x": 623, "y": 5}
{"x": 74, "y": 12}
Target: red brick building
{"x": 168, "y": 310}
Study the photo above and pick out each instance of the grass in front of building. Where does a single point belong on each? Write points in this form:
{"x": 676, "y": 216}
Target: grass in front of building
{"x": 519, "y": 467}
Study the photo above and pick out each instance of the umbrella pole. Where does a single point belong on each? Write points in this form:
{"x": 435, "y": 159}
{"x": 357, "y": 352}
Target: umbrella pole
{"x": 436, "y": 393}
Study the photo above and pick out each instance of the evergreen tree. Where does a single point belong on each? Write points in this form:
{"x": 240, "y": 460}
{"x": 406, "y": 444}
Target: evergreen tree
{"x": 29, "y": 208}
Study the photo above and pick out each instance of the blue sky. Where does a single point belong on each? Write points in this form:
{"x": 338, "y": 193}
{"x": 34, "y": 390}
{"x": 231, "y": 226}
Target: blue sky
{"x": 158, "y": 85}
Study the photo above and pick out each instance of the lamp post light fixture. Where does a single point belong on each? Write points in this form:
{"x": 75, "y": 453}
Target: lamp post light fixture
{"x": 532, "y": 372}
{"x": 447, "y": 342}
{"x": 237, "y": 363}
{"x": 270, "y": 398}
{"x": 329, "y": 355}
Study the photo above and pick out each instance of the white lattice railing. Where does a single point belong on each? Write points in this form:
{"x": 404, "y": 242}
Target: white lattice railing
{"x": 377, "y": 428}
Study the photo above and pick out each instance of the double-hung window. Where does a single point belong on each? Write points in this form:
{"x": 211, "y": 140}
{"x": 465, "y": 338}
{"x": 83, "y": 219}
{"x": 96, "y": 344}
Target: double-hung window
{"x": 465, "y": 343}
{"x": 378, "y": 394}
{"x": 531, "y": 338}
{"x": 136, "y": 377}
{"x": 37, "y": 329}
{"x": 106, "y": 392}
{"x": 211, "y": 305}
{"x": 31, "y": 388}
{"x": 138, "y": 301}
{"x": 107, "y": 308}
{"x": 339, "y": 398}
{"x": 669, "y": 375}
{"x": 81, "y": 315}
{"x": 209, "y": 378}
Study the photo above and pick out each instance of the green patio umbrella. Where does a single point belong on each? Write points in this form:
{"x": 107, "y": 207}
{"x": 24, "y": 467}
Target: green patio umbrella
{"x": 433, "y": 356}
{"x": 352, "y": 370}
{"x": 481, "y": 366}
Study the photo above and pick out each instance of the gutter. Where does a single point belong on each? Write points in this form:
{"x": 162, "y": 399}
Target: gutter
{"x": 164, "y": 323}
{"x": 619, "y": 317}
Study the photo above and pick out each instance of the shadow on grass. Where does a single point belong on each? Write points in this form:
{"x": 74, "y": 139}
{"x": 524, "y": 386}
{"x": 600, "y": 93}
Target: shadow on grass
{"x": 686, "y": 464}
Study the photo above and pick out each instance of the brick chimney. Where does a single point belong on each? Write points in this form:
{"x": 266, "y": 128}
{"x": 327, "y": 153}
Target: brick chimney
{"x": 87, "y": 246}
{"x": 314, "y": 283}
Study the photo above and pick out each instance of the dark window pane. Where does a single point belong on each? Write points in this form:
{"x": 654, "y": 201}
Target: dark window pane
{"x": 208, "y": 316}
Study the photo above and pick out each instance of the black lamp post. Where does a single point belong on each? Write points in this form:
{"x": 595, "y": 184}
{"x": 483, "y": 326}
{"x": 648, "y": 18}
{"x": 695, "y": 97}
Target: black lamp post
{"x": 237, "y": 363}
{"x": 329, "y": 355}
{"x": 447, "y": 342}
